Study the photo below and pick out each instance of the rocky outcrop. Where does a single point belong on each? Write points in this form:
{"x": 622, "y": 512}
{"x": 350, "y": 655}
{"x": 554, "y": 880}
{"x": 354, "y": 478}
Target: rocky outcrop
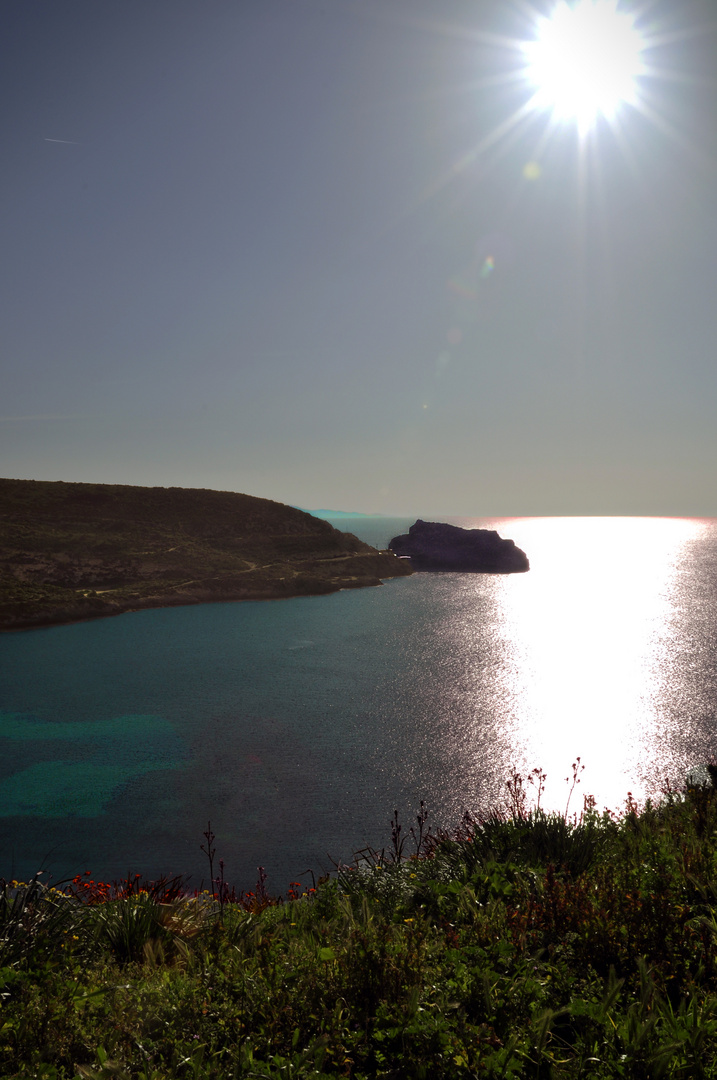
{"x": 431, "y": 545}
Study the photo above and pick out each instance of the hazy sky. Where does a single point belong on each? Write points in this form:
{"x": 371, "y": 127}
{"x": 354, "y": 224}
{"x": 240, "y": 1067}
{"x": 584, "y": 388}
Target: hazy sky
{"x": 292, "y": 248}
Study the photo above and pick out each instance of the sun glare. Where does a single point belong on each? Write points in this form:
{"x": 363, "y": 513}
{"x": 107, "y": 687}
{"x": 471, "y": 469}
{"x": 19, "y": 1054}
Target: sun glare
{"x": 585, "y": 61}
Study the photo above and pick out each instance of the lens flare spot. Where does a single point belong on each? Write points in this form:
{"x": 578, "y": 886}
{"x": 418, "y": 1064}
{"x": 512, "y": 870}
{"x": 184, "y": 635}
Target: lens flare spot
{"x": 488, "y": 267}
{"x": 454, "y": 336}
{"x": 532, "y": 170}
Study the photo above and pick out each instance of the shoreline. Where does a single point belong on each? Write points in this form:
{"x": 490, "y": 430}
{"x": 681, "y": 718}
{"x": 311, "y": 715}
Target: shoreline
{"x": 318, "y": 587}
{"x": 71, "y": 552}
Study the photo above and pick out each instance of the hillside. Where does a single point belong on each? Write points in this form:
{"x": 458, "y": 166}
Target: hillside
{"x": 78, "y": 551}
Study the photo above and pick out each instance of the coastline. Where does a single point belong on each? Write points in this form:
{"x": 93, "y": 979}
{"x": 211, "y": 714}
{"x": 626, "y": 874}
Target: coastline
{"x": 70, "y": 552}
{"x": 275, "y": 590}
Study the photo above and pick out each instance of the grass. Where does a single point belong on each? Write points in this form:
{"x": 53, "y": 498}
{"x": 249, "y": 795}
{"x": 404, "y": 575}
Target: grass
{"x": 527, "y": 944}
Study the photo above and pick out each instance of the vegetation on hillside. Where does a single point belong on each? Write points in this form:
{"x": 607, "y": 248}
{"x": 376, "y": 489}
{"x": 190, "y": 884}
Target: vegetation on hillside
{"x": 77, "y": 551}
{"x": 524, "y": 945}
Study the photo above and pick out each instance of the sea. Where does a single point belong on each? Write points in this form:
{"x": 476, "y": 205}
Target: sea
{"x": 292, "y": 730}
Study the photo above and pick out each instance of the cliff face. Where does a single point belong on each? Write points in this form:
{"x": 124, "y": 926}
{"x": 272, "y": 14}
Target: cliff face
{"x": 435, "y": 546}
{"x": 78, "y": 551}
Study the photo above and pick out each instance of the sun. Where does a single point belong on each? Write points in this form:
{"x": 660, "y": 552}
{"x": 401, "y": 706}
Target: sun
{"x": 585, "y": 61}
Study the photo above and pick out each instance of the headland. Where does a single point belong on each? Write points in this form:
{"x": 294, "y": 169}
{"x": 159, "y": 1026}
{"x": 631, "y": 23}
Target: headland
{"x": 79, "y": 551}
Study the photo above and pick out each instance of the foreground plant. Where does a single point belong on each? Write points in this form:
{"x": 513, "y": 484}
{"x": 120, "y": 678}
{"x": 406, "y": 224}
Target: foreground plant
{"x": 33, "y": 917}
{"x": 524, "y": 944}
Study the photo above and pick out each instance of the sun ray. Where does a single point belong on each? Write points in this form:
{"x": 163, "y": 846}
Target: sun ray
{"x": 619, "y": 133}
{"x": 507, "y": 130}
{"x": 548, "y": 133}
{"x": 664, "y": 126}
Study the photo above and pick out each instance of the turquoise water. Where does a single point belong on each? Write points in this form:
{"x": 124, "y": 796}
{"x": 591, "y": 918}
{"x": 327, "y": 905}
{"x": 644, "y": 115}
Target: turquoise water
{"x": 297, "y": 726}
{"x": 90, "y": 761}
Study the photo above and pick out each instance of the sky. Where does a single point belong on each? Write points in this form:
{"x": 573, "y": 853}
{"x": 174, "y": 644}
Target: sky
{"x": 333, "y": 253}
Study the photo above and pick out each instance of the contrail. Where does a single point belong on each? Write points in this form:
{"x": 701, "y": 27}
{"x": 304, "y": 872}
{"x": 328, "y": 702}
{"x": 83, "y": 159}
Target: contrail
{"x": 69, "y": 142}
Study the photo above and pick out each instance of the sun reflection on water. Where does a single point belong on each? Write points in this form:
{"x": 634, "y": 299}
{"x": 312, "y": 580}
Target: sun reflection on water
{"x": 589, "y": 632}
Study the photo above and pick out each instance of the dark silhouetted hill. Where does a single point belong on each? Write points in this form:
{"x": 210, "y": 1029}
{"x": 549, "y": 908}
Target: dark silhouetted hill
{"x": 78, "y": 551}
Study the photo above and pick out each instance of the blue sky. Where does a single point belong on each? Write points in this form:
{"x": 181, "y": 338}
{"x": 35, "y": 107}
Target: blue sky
{"x": 285, "y": 247}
